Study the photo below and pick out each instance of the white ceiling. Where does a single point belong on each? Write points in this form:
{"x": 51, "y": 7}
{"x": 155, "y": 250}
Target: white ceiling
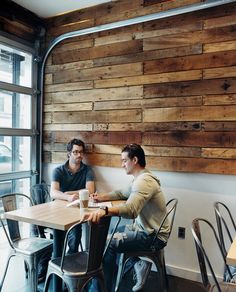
{"x": 49, "y": 8}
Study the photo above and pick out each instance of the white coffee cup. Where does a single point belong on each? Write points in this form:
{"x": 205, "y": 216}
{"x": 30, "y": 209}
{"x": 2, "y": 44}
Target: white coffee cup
{"x": 83, "y": 198}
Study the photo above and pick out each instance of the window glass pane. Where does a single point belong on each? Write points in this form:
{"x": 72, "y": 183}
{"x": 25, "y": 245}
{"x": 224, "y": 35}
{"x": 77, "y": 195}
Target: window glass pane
{"x": 15, "y": 153}
{"x": 15, "y": 66}
{"x": 17, "y": 186}
{"x": 15, "y": 110}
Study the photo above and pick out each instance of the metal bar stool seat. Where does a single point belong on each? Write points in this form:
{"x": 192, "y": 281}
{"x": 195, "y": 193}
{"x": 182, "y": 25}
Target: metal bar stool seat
{"x": 30, "y": 249}
{"x": 77, "y": 269}
{"x": 156, "y": 256}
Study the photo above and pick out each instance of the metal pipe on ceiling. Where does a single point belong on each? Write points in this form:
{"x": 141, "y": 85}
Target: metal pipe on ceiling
{"x": 118, "y": 24}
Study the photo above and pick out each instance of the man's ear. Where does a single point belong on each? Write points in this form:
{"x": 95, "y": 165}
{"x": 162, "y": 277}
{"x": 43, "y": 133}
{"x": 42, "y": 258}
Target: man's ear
{"x": 135, "y": 159}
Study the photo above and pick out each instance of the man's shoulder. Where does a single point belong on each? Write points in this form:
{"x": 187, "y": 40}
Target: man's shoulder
{"x": 147, "y": 175}
{"x": 85, "y": 166}
{"x": 60, "y": 167}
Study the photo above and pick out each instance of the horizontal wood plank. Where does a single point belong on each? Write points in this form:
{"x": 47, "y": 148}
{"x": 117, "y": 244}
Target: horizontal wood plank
{"x": 198, "y": 87}
{"x": 71, "y": 107}
{"x": 149, "y": 79}
{"x": 110, "y": 138}
{"x": 150, "y": 55}
{"x": 211, "y": 35}
{"x": 219, "y": 126}
{"x": 122, "y": 93}
{"x": 201, "y": 113}
{"x": 68, "y": 127}
{"x": 147, "y": 127}
{"x": 69, "y": 66}
{"x": 187, "y": 138}
{"x": 101, "y": 116}
{"x": 224, "y": 72}
{"x": 124, "y": 48}
{"x": 219, "y": 46}
{"x": 150, "y": 103}
{"x": 69, "y": 86}
{"x": 74, "y": 75}
{"x": 211, "y": 60}
{"x": 225, "y": 153}
{"x": 219, "y": 99}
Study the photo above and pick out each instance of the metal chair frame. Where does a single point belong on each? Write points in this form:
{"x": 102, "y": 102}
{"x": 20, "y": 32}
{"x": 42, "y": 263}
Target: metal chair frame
{"x": 157, "y": 256}
{"x": 40, "y": 194}
{"x": 78, "y": 269}
{"x": 204, "y": 260}
{"x": 30, "y": 249}
{"x": 222, "y": 224}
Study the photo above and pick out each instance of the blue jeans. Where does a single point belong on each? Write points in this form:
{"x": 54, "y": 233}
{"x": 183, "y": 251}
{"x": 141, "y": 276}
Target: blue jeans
{"x": 124, "y": 240}
{"x": 74, "y": 238}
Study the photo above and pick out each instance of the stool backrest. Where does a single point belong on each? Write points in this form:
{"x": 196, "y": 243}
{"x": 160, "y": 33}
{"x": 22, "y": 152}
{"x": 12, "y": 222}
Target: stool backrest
{"x": 11, "y": 202}
{"x": 97, "y": 242}
{"x": 203, "y": 259}
{"x": 225, "y": 223}
{"x": 40, "y": 193}
{"x": 171, "y": 210}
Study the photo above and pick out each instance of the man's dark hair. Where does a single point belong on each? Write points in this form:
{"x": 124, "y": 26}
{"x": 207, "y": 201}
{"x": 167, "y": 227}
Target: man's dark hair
{"x": 135, "y": 150}
{"x": 77, "y": 142}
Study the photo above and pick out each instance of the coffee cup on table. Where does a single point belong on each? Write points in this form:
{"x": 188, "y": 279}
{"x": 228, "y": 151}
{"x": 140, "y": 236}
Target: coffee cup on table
{"x": 83, "y": 198}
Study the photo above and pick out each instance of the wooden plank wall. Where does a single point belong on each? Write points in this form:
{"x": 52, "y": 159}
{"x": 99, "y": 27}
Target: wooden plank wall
{"x": 168, "y": 85}
{"x": 19, "y": 22}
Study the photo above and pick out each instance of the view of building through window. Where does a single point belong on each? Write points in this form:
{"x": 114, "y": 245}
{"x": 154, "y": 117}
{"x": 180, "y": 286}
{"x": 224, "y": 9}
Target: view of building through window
{"x": 16, "y": 123}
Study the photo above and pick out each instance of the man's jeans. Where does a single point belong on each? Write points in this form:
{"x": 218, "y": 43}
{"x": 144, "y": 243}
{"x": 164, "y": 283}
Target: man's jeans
{"x": 74, "y": 239}
{"x": 125, "y": 239}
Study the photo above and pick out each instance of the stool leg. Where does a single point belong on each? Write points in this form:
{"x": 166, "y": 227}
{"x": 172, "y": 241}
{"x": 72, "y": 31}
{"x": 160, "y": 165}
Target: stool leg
{"x": 119, "y": 272}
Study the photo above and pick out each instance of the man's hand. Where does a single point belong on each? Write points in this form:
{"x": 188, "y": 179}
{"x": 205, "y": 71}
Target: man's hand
{"x": 94, "y": 216}
{"x": 99, "y": 197}
{"x": 72, "y": 197}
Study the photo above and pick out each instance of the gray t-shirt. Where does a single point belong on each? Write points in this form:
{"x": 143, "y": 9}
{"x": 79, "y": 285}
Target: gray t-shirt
{"x": 72, "y": 182}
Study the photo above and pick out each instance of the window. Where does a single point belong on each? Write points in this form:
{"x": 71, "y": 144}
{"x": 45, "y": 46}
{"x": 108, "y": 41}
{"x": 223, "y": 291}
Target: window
{"x": 18, "y": 128}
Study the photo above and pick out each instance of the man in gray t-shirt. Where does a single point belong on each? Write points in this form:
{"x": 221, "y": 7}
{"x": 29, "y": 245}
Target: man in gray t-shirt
{"x": 68, "y": 179}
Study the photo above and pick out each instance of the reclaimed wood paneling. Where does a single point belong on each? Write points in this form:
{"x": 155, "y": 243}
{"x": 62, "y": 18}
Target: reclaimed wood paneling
{"x": 105, "y": 72}
{"x": 101, "y": 116}
{"x": 149, "y": 55}
{"x": 167, "y": 84}
{"x": 202, "y": 113}
{"x": 149, "y": 79}
{"x": 199, "y": 87}
{"x": 123, "y": 48}
{"x": 151, "y": 127}
{"x": 122, "y": 93}
{"x": 187, "y": 138}
{"x": 69, "y": 86}
{"x": 211, "y": 60}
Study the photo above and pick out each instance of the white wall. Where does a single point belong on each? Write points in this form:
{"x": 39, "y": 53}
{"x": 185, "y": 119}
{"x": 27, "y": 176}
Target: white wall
{"x": 196, "y": 194}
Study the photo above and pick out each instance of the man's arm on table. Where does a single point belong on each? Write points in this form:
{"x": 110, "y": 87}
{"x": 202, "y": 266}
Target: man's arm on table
{"x": 98, "y": 214}
{"x": 100, "y": 197}
{"x": 69, "y": 196}
{"x": 66, "y": 196}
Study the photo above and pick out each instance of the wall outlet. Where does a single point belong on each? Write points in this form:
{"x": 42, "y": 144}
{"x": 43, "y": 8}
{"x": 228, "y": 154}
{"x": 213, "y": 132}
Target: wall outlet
{"x": 181, "y": 232}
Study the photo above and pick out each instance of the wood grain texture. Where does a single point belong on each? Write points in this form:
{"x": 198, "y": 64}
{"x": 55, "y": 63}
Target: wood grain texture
{"x": 167, "y": 84}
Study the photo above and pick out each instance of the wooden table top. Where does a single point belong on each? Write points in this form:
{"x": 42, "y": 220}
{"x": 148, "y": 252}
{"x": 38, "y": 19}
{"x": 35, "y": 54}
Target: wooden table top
{"x": 53, "y": 214}
{"x": 231, "y": 256}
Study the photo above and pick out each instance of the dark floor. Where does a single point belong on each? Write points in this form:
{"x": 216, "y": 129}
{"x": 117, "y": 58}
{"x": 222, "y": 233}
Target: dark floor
{"x": 175, "y": 284}
{"x": 16, "y": 281}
